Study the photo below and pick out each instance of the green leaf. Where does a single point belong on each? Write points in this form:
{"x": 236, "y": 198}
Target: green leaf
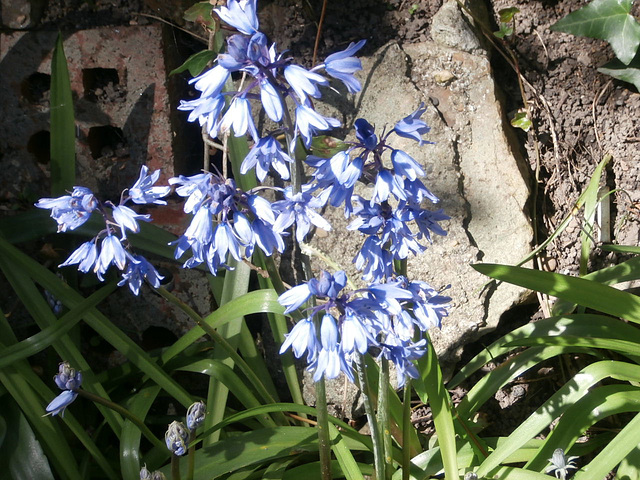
{"x": 200, "y": 13}
{"x": 505, "y": 31}
{"x": 627, "y": 73}
{"x": 577, "y": 290}
{"x": 130, "y": 440}
{"x": 196, "y": 63}
{"x": 520, "y": 119}
{"x": 507, "y": 14}
{"x": 608, "y": 20}
{"x": 63, "y": 130}
{"x": 21, "y": 455}
{"x": 343, "y": 454}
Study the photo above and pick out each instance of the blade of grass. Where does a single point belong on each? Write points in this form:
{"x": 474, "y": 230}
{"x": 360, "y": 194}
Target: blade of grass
{"x": 63, "y": 129}
{"x": 577, "y": 290}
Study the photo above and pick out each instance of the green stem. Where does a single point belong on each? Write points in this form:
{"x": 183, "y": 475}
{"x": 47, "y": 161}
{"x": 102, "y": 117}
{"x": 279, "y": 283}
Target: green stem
{"x": 191, "y": 459}
{"x": 383, "y": 413}
{"x": 125, "y": 413}
{"x": 406, "y": 430}
{"x": 175, "y": 467}
{"x": 378, "y": 448}
{"x": 324, "y": 443}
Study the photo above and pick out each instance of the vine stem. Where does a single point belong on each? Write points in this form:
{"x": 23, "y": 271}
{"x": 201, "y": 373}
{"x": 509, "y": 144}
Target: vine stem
{"x": 125, "y": 413}
{"x": 378, "y": 448}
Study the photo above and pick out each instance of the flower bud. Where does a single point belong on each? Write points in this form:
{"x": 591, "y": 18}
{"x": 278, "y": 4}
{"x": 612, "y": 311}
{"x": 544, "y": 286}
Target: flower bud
{"x": 176, "y": 438}
{"x": 195, "y": 415}
{"x": 67, "y": 378}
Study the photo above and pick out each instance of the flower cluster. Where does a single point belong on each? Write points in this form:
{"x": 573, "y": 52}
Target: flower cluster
{"x": 242, "y": 221}
{"x": 273, "y": 77}
{"x": 396, "y": 201}
{"x": 145, "y": 474}
{"x": 69, "y": 381}
{"x": 72, "y": 211}
{"x": 383, "y": 315}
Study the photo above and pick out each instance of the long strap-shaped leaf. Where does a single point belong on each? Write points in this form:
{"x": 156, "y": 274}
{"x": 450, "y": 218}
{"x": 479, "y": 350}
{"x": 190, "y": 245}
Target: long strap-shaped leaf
{"x": 577, "y": 290}
{"x": 96, "y": 320}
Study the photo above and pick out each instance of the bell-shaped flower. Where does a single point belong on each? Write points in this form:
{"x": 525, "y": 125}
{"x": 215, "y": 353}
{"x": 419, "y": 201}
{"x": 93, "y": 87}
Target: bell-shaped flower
{"x": 240, "y": 15}
{"x": 143, "y": 190}
{"x": 138, "y": 270}
{"x": 239, "y": 117}
{"x": 387, "y": 183}
{"x": 304, "y": 82}
{"x": 294, "y": 297}
{"x": 85, "y": 256}
{"x": 67, "y": 378}
{"x": 111, "y": 252}
{"x": 127, "y": 218}
{"x": 308, "y": 122}
{"x": 331, "y": 360}
{"x": 342, "y": 65}
{"x": 301, "y": 208}
{"x": 302, "y": 339}
{"x": 271, "y": 101}
{"x": 265, "y": 154}
{"x": 62, "y": 401}
{"x": 196, "y": 414}
{"x": 404, "y": 164}
{"x": 366, "y": 134}
{"x": 412, "y": 127}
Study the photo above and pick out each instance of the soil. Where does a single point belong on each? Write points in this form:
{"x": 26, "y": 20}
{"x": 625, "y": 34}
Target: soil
{"x": 578, "y": 114}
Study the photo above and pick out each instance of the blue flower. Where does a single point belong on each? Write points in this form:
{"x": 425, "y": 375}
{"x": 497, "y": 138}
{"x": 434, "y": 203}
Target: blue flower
{"x": 176, "y": 438}
{"x": 308, "y": 122}
{"x": 271, "y": 101}
{"x": 374, "y": 261}
{"x": 304, "y": 82}
{"x": 412, "y": 127}
{"x": 195, "y": 188}
{"x": 331, "y": 360}
{"x": 62, "y": 401}
{"x": 404, "y": 164}
{"x": 70, "y": 211}
{"x": 301, "y": 208}
{"x": 128, "y": 219}
{"x": 402, "y": 354}
{"x": 265, "y": 154}
{"x": 342, "y": 65}
{"x": 366, "y": 134}
{"x": 294, "y": 297}
{"x": 302, "y": 339}
{"x": 240, "y": 15}
{"x": 136, "y": 271}
{"x": 143, "y": 190}
{"x": 67, "y": 378}
{"x": 354, "y": 335}
{"x": 111, "y": 252}
{"x": 387, "y": 183}
{"x": 85, "y": 255}
{"x": 239, "y": 117}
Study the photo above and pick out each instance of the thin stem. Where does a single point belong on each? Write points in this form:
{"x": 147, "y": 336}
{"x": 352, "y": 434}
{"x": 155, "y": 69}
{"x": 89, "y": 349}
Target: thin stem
{"x": 175, "y": 467}
{"x": 378, "y": 448}
{"x": 319, "y": 33}
{"x": 324, "y": 443}
{"x": 191, "y": 459}
{"x": 125, "y": 413}
{"x": 406, "y": 430}
{"x": 383, "y": 412}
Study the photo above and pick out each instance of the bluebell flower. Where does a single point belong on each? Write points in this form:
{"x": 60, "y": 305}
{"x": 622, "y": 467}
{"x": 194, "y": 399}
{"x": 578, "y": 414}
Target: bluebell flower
{"x": 70, "y": 211}
{"x": 412, "y": 127}
{"x": 111, "y": 252}
{"x": 176, "y": 438}
{"x": 404, "y": 164}
{"x": 304, "y": 82}
{"x": 309, "y": 122}
{"x": 194, "y": 188}
{"x": 126, "y": 218}
{"x": 354, "y": 336}
{"x": 62, "y": 401}
{"x": 265, "y": 154}
{"x": 402, "y": 354}
{"x": 196, "y": 414}
{"x": 375, "y": 262}
{"x": 302, "y": 339}
{"x": 240, "y": 15}
{"x": 301, "y": 209}
{"x": 387, "y": 183}
{"x": 561, "y": 465}
{"x": 85, "y": 256}
{"x": 136, "y": 271}
{"x": 69, "y": 380}
{"x": 143, "y": 191}
{"x": 294, "y": 297}
{"x": 271, "y": 101}
{"x": 342, "y": 65}
{"x": 365, "y": 133}
{"x": 330, "y": 360}
{"x": 239, "y": 117}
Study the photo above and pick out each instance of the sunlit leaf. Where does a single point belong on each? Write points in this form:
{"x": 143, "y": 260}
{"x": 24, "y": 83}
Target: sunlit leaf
{"x": 608, "y": 20}
{"x": 196, "y": 63}
{"x": 627, "y": 73}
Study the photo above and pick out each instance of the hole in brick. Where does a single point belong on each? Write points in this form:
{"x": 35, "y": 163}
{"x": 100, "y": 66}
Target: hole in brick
{"x": 39, "y": 146}
{"x": 98, "y": 82}
{"x": 35, "y": 87}
{"x": 105, "y": 141}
